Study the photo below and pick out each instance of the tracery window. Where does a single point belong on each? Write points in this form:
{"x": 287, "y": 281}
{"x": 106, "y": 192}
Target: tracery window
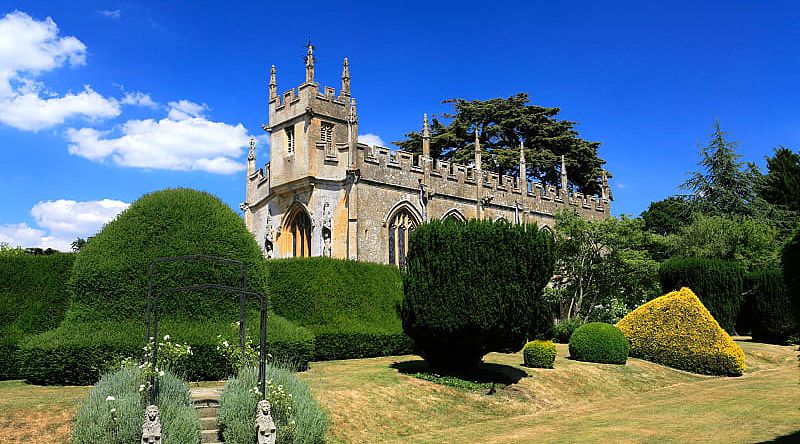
{"x": 299, "y": 227}
{"x": 400, "y": 228}
{"x": 290, "y": 140}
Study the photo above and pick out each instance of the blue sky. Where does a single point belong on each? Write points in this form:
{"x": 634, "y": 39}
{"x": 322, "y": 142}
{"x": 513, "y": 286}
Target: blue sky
{"x": 102, "y": 101}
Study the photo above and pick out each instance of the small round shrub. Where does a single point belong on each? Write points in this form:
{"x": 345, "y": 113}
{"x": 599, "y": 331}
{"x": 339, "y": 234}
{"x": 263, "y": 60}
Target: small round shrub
{"x": 539, "y": 354}
{"x": 96, "y": 422}
{"x": 564, "y": 329}
{"x": 599, "y": 342}
{"x": 473, "y": 288}
{"x": 298, "y": 417}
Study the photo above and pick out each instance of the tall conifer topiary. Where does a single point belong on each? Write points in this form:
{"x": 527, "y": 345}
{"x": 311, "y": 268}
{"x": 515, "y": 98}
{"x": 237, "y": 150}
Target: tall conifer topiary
{"x": 790, "y": 261}
{"x": 473, "y": 288}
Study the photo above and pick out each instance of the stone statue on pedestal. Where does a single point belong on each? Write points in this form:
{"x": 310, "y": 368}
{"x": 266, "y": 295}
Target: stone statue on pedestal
{"x": 151, "y": 428}
{"x": 265, "y": 426}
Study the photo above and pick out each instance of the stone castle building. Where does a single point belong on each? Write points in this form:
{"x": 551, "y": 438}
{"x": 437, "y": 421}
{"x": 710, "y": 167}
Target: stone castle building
{"x": 325, "y": 194}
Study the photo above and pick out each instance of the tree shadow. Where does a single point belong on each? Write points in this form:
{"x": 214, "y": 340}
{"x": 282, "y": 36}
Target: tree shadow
{"x": 792, "y": 438}
{"x": 483, "y": 373}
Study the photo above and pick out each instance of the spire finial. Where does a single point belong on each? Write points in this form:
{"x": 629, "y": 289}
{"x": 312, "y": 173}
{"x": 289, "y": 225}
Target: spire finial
{"x": 477, "y": 150}
{"x": 251, "y": 154}
{"x": 346, "y": 77}
{"x": 273, "y": 84}
{"x": 523, "y": 171}
{"x": 426, "y": 133}
{"x": 309, "y": 61}
{"x": 352, "y": 116}
{"x": 564, "y": 180}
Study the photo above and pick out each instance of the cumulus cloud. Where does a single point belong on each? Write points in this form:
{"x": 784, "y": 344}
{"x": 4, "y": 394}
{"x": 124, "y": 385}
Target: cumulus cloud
{"x": 138, "y": 99}
{"x": 28, "y": 48}
{"x": 185, "y": 141}
{"x": 371, "y": 139}
{"x": 60, "y": 222}
{"x": 112, "y": 14}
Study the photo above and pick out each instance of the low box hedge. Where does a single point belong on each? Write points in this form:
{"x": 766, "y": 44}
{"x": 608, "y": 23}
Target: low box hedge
{"x": 599, "y": 342}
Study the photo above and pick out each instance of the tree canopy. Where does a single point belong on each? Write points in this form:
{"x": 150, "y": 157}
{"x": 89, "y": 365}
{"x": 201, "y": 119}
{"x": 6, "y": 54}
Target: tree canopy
{"x": 502, "y": 123}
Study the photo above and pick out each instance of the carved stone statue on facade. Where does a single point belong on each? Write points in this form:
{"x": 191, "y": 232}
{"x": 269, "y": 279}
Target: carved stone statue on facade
{"x": 265, "y": 425}
{"x": 268, "y": 236}
{"x": 151, "y": 428}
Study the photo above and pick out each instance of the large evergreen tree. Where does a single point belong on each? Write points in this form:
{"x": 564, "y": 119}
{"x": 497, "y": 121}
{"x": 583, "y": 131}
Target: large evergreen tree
{"x": 726, "y": 187}
{"x": 781, "y": 184}
{"x": 502, "y": 123}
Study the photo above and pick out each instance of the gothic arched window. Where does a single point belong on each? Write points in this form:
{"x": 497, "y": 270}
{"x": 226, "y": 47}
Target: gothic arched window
{"x": 453, "y": 216}
{"x": 400, "y": 228}
{"x": 298, "y": 226}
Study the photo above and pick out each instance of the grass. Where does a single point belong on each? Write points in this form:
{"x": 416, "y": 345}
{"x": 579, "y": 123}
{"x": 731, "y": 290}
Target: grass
{"x": 370, "y": 400}
{"x": 374, "y": 400}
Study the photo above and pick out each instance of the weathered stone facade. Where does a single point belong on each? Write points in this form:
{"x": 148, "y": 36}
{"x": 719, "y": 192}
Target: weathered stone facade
{"x": 325, "y": 194}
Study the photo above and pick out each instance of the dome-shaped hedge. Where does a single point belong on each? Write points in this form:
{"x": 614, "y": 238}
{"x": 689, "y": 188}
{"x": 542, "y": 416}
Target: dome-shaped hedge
{"x": 539, "y": 354}
{"x": 109, "y": 279}
{"x": 599, "y": 342}
{"x": 678, "y": 331}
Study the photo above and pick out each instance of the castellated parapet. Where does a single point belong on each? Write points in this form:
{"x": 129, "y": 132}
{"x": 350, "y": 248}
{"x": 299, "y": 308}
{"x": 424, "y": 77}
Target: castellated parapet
{"x": 325, "y": 194}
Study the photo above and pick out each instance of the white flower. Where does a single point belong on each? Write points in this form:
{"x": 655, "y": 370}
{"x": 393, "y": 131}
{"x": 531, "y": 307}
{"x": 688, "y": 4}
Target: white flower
{"x": 226, "y": 344}
{"x": 161, "y": 373}
{"x": 113, "y": 411}
{"x": 110, "y": 398}
{"x": 141, "y": 387}
{"x": 166, "y": 337}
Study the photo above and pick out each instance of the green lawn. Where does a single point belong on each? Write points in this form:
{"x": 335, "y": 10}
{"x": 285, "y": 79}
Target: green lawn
{"x": 370, "y": 401}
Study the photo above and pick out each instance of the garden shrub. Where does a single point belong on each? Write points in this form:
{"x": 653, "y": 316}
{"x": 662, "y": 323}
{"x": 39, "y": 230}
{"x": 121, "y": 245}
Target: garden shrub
{"x": 599, "y": 342}
{"x": 770, "y": 309}
{"x": 350, "y": 306}
{"x": 109, "y": 278}
{"x": 790, "y": 263}
{"x": 719, "y": 285}
{"x": 33, "y": 299}
{"x": 676, "y": 330}
{"x": 304, "y": 422}
{"x": 539, "y": 354}
{"x": 77, "y": 354}
{"x": 564, "y": 329}
{"x": 96, "y": 422}
{"x": 473, "y": 288}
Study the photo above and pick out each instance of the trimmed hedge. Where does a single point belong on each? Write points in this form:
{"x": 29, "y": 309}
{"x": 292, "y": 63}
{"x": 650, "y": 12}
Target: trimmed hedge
{"x": 109, "y": 279}
{"x": 79, "y": 354}
{"x": 473, "y": 288}
{"x": 599, "y": 342}
{"x": 770, "y": 314}
{"x": 120, "y": 391}
{"x": 539, "y": 354}
{"x": 790, "y": 263}
{"x": 351, "y": 307}
{"x": 719, "y": 285}
{"x": 33, "y": 299}
{"x": 238, "y": 408}
{"x": 676, "y": 330}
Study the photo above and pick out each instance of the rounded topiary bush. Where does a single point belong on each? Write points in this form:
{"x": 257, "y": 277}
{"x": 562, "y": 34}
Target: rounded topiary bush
{"x": 719, "y": 285}
{"x": 564, "y": 329}
{"x": 539, "y": 354}
{"x": 599, "y": 342}
{"x": 473, "y": 288}
{"x": 109, "y": 278}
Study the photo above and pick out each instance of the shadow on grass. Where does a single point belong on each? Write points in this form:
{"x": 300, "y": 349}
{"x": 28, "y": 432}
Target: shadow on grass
{"x": 793, "y": 438}
{"x": 484, "y": 373}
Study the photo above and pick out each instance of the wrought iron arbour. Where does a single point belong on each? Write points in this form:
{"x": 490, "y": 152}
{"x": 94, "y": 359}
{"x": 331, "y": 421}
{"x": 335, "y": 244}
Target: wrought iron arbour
{"x": 153, "y": 300}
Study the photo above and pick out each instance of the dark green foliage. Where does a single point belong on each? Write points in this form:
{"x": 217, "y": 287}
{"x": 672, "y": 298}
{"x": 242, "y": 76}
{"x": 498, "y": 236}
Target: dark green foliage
{"x": 719, "y": 285}
{"x": 539, "y": 354}
{"x": 599, "y": 342}
{"x": 109, "y": 280}
{"x": 781, "y": 184}
{"x": 502, "y": 123}
{"x": 474, "y": 288}
{"x": 771, "y": 317}
{"x": 33, "y": 299}
{"x": 351, "y": 307}
{"x": 238, "y": 407}
{"x": 564, "y": 329}
{"x": 120, "y": 391}
{"x": 790, "y": 262}
{"x": 667, "y": 216}
{"x": 79, "y": 354}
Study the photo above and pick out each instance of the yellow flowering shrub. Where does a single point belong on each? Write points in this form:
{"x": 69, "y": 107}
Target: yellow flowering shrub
{"x": 678, "y": 331}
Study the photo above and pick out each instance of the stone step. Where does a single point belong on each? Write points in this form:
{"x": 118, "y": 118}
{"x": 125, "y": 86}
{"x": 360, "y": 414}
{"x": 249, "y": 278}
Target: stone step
{"x": 209, "y": 436}
{"x": 207, "y": 412}
{"x": 208, "y": 423}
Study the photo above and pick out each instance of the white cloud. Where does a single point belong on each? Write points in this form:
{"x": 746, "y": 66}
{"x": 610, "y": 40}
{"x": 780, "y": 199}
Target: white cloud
{"x": 60, "y": 222}
{"x": 28, "y": 48}
{"x": 138, "y": 99}
{"x": 115, "y": 14}
{"x": 371, "y": 139}
{"x": 185, "y": 141}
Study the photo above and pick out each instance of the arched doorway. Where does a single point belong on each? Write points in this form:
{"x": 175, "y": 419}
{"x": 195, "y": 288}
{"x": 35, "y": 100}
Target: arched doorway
{"x": 298, "y": 227}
